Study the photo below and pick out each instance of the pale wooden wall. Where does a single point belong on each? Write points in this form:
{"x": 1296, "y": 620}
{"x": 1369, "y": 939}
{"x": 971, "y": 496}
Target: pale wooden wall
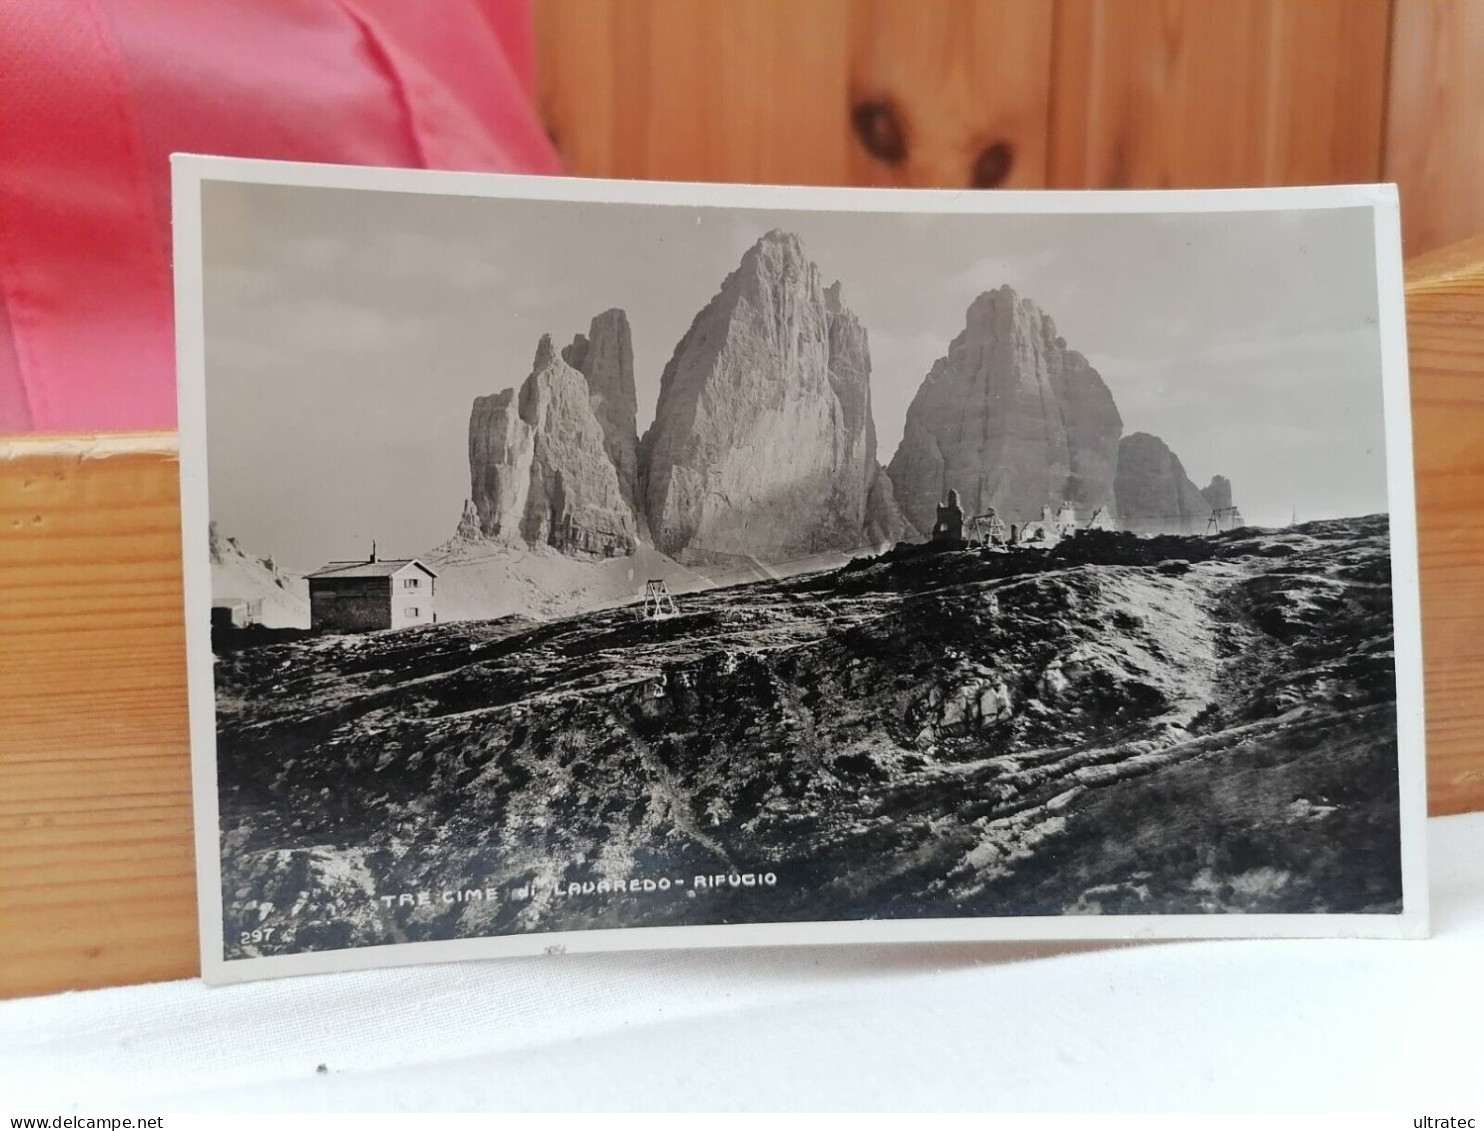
{"x": 1435, "y": 127}
{"x": 1028, "y": 94}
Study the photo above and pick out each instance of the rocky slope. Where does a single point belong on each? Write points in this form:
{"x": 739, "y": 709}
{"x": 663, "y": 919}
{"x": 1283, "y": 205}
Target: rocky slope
{"x": 239, "y": 575}
{"x": 540, "y": 467}
{"x": 1010, "y": 418}
{"x": 479, "y": 580}
{"x": 1172, "y": 725}
{"x": 1154, "y": 495}
{"x": 763, "y": 443}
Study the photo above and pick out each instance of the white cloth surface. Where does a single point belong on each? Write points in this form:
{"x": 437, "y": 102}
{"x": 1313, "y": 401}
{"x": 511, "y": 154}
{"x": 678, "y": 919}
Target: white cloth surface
{"x": 1241, "y": 1025}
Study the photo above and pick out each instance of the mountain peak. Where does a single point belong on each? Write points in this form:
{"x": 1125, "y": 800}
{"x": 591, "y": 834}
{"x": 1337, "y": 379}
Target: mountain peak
{"x": 1218, "y": 493}
{"x": 1155, "y": 496}
{"x": 780, "y": 238}
{"x": 762, "y": 445}
{"x": 546, "y": 354}
{"x": 547, "y": 468}
{"x": 1010, "y": 418}
{"x": 605, "y": 358}
{"x": 995, "y": 310}
{"x": 778, "y": 252}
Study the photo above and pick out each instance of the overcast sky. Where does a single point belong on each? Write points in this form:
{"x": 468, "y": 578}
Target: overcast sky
{"x": 348, "y": 332}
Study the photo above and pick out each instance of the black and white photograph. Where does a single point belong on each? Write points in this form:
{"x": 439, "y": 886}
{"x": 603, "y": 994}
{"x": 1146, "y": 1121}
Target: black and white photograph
{"x": 606, "y": 566}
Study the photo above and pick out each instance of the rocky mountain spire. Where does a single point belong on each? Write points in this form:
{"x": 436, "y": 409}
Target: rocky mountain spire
{"x": 763, "y": 444}
{"x": 539, "y": 466}
{"x": 605, "y": 356}
{"x": 1011, "y": 418}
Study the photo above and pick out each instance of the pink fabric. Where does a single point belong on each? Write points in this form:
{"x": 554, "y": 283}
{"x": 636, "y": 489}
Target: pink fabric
{"x": 95, "y": 95}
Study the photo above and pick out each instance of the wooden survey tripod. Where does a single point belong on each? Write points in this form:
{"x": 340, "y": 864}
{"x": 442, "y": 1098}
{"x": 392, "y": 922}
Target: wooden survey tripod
{"x": 658, "y": 604}
{"x": 985, "y": 529}
{"x": 1228, "y": 515}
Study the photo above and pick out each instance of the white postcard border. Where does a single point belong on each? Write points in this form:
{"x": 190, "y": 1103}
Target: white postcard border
{"x": 190, "y": 171}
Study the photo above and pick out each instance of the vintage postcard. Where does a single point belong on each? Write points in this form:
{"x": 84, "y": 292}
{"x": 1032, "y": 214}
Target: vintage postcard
{"x": 580, "y": 565}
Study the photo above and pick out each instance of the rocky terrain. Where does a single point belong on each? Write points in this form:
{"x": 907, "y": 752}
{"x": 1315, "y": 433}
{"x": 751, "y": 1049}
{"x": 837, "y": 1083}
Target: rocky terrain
{"x": 1121, "y": 725}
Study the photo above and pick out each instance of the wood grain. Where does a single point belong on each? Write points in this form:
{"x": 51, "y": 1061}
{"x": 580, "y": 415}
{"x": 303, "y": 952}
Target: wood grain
{"x": 95, "y": 803}
{"x": 675, "y": 90}
{"x": 1445, "y": 327}
{"x": 1026, "y": 93}
{"x": 969, "y": 82}
{"x": 760, "y": 91}
{"x": 1171, "y": 94}
{"x": 95, "y": 811}
{"x": 1435, "y": 121}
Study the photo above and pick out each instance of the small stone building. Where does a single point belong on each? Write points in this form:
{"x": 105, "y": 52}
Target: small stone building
{"x": 949, "y": 528}
{"x": 235, "y": 612}
{"x": 361, "y": 596}
{"x": 1040, "y": 531}
{"x": 1066, "y": 521}
{"x": 1101, "y": 520}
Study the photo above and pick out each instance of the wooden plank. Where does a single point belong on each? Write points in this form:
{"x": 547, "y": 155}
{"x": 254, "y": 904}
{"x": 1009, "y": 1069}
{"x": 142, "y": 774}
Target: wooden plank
{"x": 1172, "y": 94}
{"x": 1020, "y": 93}
{"x": 753, "y": 91}
{"x": 961, "y": 86}
{"x": 1445, "y": 325}
{"x": 775, "y": 91}
{"x": 1435, "y": 125}
{"x": 95, "y": 801}
{"x": 95, "y": 808}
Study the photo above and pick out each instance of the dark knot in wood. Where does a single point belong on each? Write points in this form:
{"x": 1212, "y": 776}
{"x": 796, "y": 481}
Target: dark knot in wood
{"x": 878, "y": 124}
{"x": 992, "y": 165}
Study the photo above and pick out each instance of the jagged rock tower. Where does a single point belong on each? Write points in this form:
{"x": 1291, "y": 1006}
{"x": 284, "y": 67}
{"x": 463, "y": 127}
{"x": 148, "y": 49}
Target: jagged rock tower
{"x": 1010, "y": 418}
{"x": 763, "y": 444}
{"x": 605, "y": 356}
{"x": 548, "y": 466}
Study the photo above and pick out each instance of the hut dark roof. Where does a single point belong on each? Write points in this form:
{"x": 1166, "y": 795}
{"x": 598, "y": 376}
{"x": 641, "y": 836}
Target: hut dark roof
{"x": 382, "y": 567}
